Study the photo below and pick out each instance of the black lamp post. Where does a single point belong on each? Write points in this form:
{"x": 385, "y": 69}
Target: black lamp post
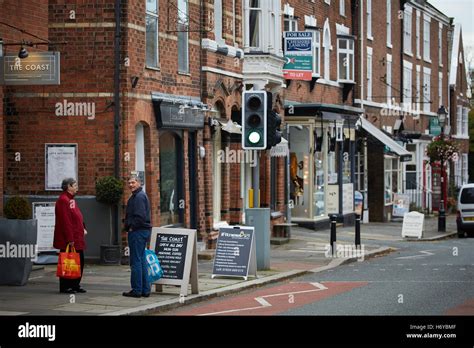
{"x": 442, "y": 113}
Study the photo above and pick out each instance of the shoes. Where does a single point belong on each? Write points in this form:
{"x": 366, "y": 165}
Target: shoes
{"x": 146, "y": 295}
{"x": 67, "y": 291}
{"x": 131, "y": 293}
{"x": 80, "y": 290}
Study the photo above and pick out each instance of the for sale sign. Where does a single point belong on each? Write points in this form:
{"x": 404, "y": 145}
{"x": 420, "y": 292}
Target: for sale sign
{"x": 298, "y": 55}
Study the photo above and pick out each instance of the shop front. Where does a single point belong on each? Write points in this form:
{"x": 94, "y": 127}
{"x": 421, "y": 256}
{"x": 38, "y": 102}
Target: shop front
{"x": 322, "y": 164}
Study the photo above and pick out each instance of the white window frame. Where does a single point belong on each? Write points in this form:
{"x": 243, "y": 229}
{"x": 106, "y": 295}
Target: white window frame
{"x": 418, "y": 18}
{"x": 389, "y": 23}
{"x": 369, "y": 73}
{"x": 157, "y": 16}
{"x": 426, "y": 89}
{"x": 327, "y": 50}
{"x": 426, "y": 38}
{"x": 459, "y": 121}
{"x": 388, "y": 79}
{"x": 369, "y": 19}
{"x": 440, "y": 89}
{"x": 316, "y": 52}
{"x": 440, "y": 44}
{"x": 407, "y": 30}
{"x": 342, "y": 7}
{"x": 292, "y": 23}
{"x": 349, "y": 54}
{"x": 259, "y": 11}
{"x": 183, "y": 35}
{"x": 458, "y": 172}
{"x": 407, "y": 82}
{"x": 465, "y": 122}
{"x": 218, "y": 22}
{"x": 418, "y": 88}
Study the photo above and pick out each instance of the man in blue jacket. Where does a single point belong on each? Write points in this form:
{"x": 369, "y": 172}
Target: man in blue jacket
{"x": 137, "y": 224}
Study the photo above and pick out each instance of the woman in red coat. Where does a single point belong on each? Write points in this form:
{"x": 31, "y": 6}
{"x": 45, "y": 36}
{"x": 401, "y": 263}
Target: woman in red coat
{"x": 69, "y": 229}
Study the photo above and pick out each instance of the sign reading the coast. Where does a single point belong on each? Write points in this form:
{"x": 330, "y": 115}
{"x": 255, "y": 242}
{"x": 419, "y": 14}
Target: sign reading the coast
{"x": 39, "y": 68}
{"x": 298, "y": 55}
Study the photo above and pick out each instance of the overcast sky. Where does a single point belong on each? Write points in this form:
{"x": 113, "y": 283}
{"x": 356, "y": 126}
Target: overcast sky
{"x": 463, "y": 12}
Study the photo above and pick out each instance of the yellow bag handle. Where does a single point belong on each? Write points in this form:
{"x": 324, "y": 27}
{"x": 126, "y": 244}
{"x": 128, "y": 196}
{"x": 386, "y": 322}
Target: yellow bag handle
{"x": 73, "y": 249}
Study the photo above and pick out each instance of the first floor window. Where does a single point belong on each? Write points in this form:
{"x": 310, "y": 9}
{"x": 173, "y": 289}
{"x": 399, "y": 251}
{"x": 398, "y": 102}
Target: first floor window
{"x": 254, "y": 23}
{"x": 345, "y": 60}
{"x": 151, "y": 33}
{"x": 316, "y": 51}
{"x": 426, "y": 91}
{"x": 183, "y": 36}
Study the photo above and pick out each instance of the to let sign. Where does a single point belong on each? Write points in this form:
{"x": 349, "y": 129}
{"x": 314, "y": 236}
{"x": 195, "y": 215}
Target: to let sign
{"x": 39, "y": 68}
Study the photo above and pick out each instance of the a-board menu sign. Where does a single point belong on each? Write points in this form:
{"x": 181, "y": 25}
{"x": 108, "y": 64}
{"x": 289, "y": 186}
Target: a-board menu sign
{"x": 176, "y": 250}
{"x": 235, "y": 252}
{"x": 44, "y": 213}
{"x": 413, "y": 224}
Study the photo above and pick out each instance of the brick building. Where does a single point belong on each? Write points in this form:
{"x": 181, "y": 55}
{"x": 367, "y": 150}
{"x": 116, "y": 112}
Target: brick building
{"x": 403, "y": 82}
{"x": 32, "y": 18}
{"x": 320, "y": 114}
{"x": 175, "y": 69}
{"x": 459, "y": 106}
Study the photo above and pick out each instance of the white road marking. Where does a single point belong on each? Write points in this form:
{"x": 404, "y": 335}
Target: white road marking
{"x": 424, "y": 264}
{"x": 265, "y": 304}
{"x": 435, "y": 269}
{"x": 450, "y": 264}
{"x": 400, "y": 264}
{"x": 408, "y": 269}
{"x": 462, "y": 269}
{"x": 35, "y": 278}
{"x": 382, "y": 269}
{"x": 424, "y": 252}
{"x": 356, "y": 270}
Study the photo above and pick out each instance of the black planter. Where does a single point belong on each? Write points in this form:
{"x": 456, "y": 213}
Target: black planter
{"x": 110, "y": 254}
{"x": 22, "y": 235}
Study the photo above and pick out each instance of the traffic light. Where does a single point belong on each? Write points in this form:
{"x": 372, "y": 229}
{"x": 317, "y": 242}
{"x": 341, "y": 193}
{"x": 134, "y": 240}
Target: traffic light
{"x": 254, "y": 120}
{"x": 273, "y": 129}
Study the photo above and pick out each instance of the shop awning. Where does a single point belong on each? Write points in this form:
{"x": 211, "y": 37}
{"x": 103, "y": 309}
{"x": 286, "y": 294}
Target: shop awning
{"x": 231, "y": 127}
{"x": 281, "y": 149}
{"x": 405, "y": 155}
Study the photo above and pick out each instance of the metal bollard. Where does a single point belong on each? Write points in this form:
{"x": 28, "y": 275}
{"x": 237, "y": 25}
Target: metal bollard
{"x": 441, "y": 218}
{"x": 333, "y": 232}
{"x": 357, "y": 230}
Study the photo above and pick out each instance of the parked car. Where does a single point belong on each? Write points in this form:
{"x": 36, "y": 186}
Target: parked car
{"x": 465, "y": 214}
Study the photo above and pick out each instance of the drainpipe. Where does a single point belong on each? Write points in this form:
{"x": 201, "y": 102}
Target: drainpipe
{"x": 117, "y": 112}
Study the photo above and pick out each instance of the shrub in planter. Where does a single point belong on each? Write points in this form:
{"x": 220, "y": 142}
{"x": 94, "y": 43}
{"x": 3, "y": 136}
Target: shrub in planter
{"x": 109, "y": 190}
{"x": 18, "y": 236}
{"x": 17, "y": 208}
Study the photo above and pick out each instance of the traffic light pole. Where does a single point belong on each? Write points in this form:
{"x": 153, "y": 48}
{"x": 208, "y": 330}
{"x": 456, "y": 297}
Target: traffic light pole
{"x": 256, "y": 179}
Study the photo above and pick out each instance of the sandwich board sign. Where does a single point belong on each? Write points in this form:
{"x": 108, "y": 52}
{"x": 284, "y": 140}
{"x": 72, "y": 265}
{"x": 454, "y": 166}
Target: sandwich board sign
{"x": 176, "y": 250}
{"x": 235, "y": 252}
{"x": 413, "y": 224}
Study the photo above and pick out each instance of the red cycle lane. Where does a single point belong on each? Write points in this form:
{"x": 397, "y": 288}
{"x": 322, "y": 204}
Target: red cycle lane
{"x": 271, "y": 301}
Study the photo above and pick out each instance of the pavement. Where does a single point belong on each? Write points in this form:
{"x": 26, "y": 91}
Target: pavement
{"x": 306, "y": 253}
